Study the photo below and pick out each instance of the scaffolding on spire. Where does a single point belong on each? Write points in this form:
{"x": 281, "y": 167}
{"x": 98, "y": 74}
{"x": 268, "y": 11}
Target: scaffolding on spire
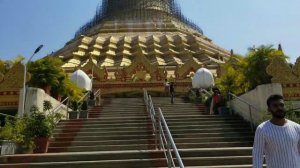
{"x": 137, "y": 10}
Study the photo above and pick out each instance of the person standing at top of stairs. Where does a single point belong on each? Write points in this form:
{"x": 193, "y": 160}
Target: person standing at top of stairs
{"x": 278, "y": 139}
{"x": 167, "y": 87}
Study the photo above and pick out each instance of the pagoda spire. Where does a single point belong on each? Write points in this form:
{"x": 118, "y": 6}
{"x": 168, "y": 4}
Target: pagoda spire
{"x": 138, "y": 11}
{"x": 280, "y": 47}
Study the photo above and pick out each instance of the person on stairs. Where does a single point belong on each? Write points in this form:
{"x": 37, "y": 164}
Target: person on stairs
{"x": 278, "y": 139}
{"x": 215, "y": 101}
{"x": 167, "y": 87}
{"x": 172, "y": 92}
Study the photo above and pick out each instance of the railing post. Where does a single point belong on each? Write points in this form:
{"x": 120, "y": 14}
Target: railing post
{"x": 149, "y": 104}
{"x": 156, "y": 134}
{"x": 251, "y": 119}
{"x": 99, "y": 98}
{"x": 170, "y": 158}
{"x": 68, "y": 103}
{"x": 229, "y": 104}
{"x": 160, "y": 132}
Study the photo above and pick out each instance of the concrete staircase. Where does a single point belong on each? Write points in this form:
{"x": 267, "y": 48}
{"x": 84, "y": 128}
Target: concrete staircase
{"x": 118, "y": 134}
{"x": 207, "y": 141}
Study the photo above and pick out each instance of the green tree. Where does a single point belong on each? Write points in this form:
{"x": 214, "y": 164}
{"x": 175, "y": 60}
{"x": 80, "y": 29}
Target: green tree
{"x": 47, "y": 73}
{"x": 258, "y": 59}
{"x": 6, "y": 65}
{"x": 233, "y": 78}
{"x": 244, "y": 73}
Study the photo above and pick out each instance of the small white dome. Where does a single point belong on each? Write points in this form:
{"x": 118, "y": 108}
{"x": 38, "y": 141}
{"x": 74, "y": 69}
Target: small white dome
{"x": 203, "y": 78}
{"x": 82, "y": 80}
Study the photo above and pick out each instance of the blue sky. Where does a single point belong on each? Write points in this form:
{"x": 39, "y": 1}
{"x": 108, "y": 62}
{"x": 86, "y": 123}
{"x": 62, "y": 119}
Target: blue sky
{"x": 231, "y": 24}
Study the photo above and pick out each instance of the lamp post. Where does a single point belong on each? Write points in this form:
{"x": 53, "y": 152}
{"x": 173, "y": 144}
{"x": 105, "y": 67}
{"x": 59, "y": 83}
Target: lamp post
{"x": 24, "y": 82}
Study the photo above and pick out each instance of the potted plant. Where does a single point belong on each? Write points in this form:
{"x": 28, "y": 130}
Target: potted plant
{"x": 7, "y": 143}
{"x": 40, "y": 126}
{"x": 73, "y": 115}
{"x": 84, "y": 110}
{"x": 14, "y": 138}
{"x": 40, "y": 130}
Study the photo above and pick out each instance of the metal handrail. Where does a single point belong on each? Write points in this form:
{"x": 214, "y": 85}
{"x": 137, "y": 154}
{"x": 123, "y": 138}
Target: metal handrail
{"x": 167, "y": 143}
{"x": 207, "y": 92}
{"x": 60, "y": 105}
{"x": 85, "y": 96}
{"x": 163, "y": 137}
{"x": 244, "y": 101}
{"x": 98, "y": 92}
{"x": 152, "y": 114}
{"x": 6, "y": 115}
{"x": 249, "y": 105}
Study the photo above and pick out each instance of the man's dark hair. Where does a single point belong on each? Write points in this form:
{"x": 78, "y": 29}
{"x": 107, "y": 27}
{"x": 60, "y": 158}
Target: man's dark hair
{"x": 274, "y": 98}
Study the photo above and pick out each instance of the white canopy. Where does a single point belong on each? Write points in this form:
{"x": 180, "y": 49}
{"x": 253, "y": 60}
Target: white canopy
{"x": 82, "y": 80}
{"x": 203, "y": 78}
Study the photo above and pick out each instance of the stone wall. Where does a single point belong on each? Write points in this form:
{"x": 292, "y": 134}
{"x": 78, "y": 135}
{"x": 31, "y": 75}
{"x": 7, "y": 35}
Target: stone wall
{"x": 36, "y": 97}
{"x": 258, "y": 98}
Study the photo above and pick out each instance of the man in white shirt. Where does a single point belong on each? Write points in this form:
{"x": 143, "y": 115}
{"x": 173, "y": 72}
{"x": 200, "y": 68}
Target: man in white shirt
{"x": 278, "y": 139}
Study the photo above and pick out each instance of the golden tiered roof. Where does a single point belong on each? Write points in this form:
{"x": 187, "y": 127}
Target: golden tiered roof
{"x": 120, "y": 49}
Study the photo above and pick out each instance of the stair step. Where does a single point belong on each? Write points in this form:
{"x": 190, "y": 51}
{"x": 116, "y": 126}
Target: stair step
{"x": 142, "y": 163}
{"x": 226, "y": 166}
{"x": 214, "y": 152}
{"x": 107, "y": 115}
{"x": 170, "y": 124}
{"x": 201, "y": 119}
{"x": 66, "y": 134}
{"x": 215, "y": 144}
{"x": 222, "y": 125}
{"x": 145, "y": 127}
{"x": 103, "y": 137}
{"x": 101, "y": 121}
{"x": 121, "y": 109}
{"x": 100, "y": 125}
{"x": 199, "y": 116}
{"x": 103, "y": 148}
{"x": 96, "y": 143}
{"x": 69, "y": 130}
{"x": 214, "y": 161}
{"x": 204, "y": 123}
{"x": 109, "y": 119}
{"x": 82, "y": 156}
{"x": 211, "y": 135}
{"x": 215, "y": 139}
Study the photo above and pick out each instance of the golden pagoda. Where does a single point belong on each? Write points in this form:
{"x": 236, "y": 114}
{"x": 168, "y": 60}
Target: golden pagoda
{"x": 134, "y": 44}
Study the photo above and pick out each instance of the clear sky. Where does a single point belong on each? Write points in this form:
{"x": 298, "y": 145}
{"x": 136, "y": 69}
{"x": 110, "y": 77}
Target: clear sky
{"x": 231, "y": 24}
